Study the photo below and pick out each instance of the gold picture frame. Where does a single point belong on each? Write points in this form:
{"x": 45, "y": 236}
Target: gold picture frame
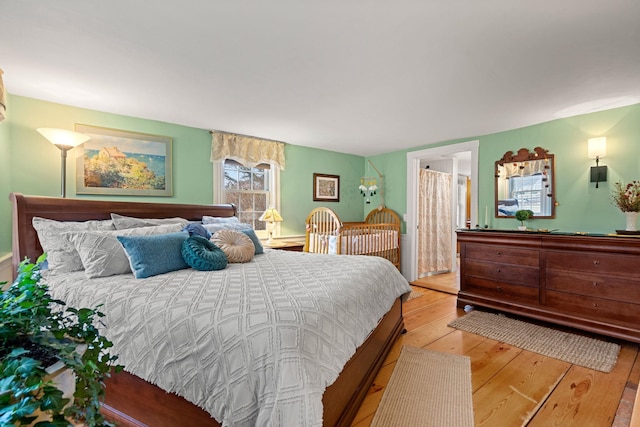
{"x": 118, "y": 162}
{"x": 326, "y": 188}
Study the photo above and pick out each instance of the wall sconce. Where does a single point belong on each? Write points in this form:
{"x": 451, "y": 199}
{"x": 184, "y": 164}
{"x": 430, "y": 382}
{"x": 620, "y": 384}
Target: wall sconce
{"x": 271, "y": 216}
{"x": 65, "y": 140}
{"x": 598, "y": 150}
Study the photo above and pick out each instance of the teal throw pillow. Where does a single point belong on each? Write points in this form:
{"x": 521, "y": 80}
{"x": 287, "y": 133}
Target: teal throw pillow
{"x": 254, "y": 238}
{"x": 202, "y": 254}
{"x": 152, "y": 255}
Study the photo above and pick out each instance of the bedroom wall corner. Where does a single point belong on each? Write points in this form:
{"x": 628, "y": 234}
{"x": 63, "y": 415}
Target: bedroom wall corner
{"x": 5, "y": 181}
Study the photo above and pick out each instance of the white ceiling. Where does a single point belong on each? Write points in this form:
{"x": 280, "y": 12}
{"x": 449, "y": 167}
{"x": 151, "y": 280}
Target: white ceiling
{"x": 355, "y": 76}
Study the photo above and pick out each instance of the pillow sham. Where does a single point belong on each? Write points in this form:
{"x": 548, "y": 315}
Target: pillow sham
{"x": 122, "y": 222}
{"x": 213, "y": 228}
{"x": 236, "y": 245}
{"x": 202, "y": 254}
{"x": 102, "y": 254}
{"x": 220, "y": 220}
{"x": 254, "y": 238}
{"x": 153, "y": 255}
{"x": 62, "y": 256}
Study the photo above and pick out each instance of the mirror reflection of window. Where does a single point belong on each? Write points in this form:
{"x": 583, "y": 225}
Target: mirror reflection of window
{"x": 525, "y": 181}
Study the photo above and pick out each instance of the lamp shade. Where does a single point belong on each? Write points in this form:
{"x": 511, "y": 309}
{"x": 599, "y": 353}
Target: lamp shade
{"x": 597, "y": 147}
{"x": 271, "y": 215}
{"x": 63, "y": 138}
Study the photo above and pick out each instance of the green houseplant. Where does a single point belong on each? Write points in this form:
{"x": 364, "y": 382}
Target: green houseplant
{"x": 523, "y": 215}
{"x": 36, "y": 331}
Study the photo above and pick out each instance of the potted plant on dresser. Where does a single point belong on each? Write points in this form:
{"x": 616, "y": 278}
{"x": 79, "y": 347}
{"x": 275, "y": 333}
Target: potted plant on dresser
{"x": 44, "y": 347}
{"x": 523, "y": 215}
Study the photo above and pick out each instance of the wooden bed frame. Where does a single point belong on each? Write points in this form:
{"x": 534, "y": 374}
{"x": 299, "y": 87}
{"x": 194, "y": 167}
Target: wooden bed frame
{"x": 131, "y": 401}
{"x": 323, "y": 222}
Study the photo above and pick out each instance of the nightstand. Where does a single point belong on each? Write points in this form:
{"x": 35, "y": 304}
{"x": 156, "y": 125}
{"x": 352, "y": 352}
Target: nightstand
{"x": 285, "y": 246}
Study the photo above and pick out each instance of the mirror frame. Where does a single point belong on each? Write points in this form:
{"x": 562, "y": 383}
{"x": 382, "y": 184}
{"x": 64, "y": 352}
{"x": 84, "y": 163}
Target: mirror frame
{"x": 524, "y": 155}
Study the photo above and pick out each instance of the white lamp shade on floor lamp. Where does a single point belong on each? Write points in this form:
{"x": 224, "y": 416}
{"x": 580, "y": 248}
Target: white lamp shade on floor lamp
{"x": 65, "y": 140}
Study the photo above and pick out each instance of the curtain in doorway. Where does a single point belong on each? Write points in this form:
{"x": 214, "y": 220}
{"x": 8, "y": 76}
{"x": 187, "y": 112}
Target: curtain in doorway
{"x": 434, "y": 222}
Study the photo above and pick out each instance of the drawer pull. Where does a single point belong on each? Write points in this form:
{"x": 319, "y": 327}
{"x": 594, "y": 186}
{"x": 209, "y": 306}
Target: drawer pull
{"x": 595, "y": 305}
{"x": 499, "y": 288}
{"x": 498, "y": 270}
{"x": 596, "y": 262}
{"x": 498, "y": 253}
{"x": 595, "y": 283}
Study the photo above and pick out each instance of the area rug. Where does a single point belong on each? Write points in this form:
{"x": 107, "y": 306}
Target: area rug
{"x": 414, "y": 295}
{"x": 427, "y": 388}
{"x": 589, "y": 352}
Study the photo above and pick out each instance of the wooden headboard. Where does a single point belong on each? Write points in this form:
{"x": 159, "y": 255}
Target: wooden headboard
{"x": 25, "y": 239}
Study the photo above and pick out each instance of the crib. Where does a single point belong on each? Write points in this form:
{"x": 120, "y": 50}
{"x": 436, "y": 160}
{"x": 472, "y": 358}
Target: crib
{"x": 378, "y": 235}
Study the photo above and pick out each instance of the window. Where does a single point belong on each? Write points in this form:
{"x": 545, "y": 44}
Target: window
{"x": 252, "y": 190}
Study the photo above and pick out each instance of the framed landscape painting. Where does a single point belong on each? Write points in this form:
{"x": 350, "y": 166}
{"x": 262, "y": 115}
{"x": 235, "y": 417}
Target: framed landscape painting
{"x": 118, "y": 162}
{"x": 326, "y": 188}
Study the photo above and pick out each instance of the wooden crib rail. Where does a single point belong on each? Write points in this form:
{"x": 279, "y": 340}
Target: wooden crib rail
{"x": 320, "y": 223}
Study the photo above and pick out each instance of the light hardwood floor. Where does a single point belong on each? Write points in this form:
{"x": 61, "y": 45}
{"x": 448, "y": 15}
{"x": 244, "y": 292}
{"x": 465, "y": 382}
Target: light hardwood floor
{"x": 514, "y": 387}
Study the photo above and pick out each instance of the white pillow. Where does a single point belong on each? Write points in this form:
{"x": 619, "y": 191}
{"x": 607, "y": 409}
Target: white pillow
{"x": 122, "y": 222}
{"x": 62, "y": 256}
{"x": 213, "y": 228}
{"x": 220, "y": 220}
{"x": 103, "y": 255}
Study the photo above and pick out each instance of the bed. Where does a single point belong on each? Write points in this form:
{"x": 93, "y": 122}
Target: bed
{"x": 134, "y": 399}
{"x": 378, "y": 235}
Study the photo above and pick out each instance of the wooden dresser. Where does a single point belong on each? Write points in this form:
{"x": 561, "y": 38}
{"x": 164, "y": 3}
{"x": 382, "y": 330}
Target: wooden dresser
{"x": 587, "y": 282}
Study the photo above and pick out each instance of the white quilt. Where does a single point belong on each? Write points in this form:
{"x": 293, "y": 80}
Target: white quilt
{"x": 255, "y": 344}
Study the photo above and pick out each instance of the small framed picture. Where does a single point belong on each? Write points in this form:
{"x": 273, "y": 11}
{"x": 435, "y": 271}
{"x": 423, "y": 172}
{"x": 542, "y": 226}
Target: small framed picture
{"x": 326, "y": 188}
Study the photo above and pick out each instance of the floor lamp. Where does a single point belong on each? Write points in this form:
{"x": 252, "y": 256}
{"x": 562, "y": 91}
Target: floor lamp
{"x": 65, "y": 140}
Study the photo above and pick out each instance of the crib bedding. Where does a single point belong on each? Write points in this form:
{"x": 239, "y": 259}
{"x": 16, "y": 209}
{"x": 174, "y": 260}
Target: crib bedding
{"x": 253, "y": 344}
{"x": 357, "y": 243}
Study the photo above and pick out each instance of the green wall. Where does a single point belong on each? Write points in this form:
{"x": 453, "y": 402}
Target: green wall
{"x": 29, "y": 164}
{"x": 581, "y": 207}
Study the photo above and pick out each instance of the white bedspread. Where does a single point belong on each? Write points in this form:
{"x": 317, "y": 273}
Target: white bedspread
{"x": 253, "y": 344}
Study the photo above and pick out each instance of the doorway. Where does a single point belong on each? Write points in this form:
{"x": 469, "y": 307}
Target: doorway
{"x": 417, "y": 160}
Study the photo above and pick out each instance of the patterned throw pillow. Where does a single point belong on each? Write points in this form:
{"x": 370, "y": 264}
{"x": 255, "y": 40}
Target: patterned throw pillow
{"x": 236, "y": 245}
{"x": 62, "y": 256}
{"x": 202, "y": 254}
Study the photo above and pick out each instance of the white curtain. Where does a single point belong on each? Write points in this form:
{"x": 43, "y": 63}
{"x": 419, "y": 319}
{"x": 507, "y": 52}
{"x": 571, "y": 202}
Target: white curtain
{"x": 248, "y": 150}
{"x": 434, "y": 219}
{"x": 3, "y": 98}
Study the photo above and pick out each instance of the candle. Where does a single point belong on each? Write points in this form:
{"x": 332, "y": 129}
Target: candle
{"x": 486, "y": 215}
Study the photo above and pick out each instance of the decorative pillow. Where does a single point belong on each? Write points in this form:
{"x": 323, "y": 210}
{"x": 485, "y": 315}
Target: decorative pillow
{"x": 256, "y": 241}
{"x": 195, "y": 229}
{"x": 152, "y": 255}
{"x": 101, "y": 253}
{"x": 62, "y": 256}
{"x": 202, "y": 254}
{"x": 220, "y": 220}
{"x": 236, "y": 245}
{"x": 122, "y": 222}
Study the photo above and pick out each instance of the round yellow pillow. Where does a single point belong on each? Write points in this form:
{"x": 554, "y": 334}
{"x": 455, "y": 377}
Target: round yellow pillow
{"x": 236, "y": 245}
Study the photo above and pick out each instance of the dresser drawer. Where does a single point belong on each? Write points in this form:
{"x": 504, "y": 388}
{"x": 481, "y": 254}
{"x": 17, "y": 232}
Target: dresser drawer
{"x": 595, "y": 285}
{"x": 502, "y": 291}
{"x": 504, "y": 273}
{"x": 623, "y": 313}
{"x": 594, "y": 262}
{"x": 505, "y": 255}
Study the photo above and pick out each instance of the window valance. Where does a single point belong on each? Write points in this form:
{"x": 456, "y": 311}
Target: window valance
{"x": 248, "y": 150}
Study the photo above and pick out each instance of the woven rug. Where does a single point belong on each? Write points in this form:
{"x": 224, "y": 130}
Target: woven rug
{"x": 427, "y": 389}
{"x": 414, "y": 295}
{"x": 576, "y": 349}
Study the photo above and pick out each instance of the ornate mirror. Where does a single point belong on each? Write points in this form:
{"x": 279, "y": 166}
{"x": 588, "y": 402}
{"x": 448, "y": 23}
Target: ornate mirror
{"x": 525, "y": 181}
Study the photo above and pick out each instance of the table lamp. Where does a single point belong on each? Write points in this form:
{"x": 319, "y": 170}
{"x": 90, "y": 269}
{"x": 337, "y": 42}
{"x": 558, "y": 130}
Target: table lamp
{"x": 271, "y": 216}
